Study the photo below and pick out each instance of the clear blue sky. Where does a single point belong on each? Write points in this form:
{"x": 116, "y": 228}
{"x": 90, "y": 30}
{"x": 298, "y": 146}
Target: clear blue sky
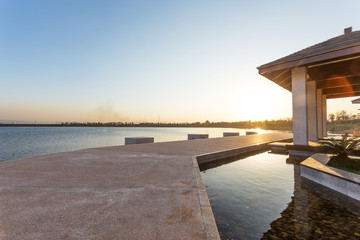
{"x": 147, "y": 60}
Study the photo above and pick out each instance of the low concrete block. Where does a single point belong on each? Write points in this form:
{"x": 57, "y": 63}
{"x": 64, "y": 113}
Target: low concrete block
{"x": 197, "y": 136}
{"x": 138, "y": 140}
{"x": 230, "y": 134}
{"x": 301, "y": 151}
{"x": 251, "y": 132}
{"x": 322, "y": 178}
{"x": 298, "y": 154}
{"x": 278, "y": 147}
{"x": 315, "y": 169}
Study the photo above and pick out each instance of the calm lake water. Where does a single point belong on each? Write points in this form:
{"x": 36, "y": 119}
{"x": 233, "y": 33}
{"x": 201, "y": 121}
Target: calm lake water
{"x": 18, "y": 142}
{"x": 264, "y": 197}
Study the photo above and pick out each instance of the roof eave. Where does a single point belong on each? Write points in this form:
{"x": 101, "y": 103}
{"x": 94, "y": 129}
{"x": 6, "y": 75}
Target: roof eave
{"x": 309, "y": 60}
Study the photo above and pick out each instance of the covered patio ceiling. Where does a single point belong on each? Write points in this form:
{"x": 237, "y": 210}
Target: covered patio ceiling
{"x": 333, "y": 64}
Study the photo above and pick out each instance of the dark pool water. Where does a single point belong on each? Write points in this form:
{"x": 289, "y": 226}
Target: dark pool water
{"x": 264, "y": 197}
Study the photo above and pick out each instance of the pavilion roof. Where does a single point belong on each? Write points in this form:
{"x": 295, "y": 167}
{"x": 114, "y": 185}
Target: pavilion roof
{"x": 334, "y": 64}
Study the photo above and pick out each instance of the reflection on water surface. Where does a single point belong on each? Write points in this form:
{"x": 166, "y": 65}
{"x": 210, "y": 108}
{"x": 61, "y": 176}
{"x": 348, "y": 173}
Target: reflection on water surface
{"x": 263, "y": 197}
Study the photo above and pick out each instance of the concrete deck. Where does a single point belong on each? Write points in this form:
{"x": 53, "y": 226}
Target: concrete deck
{"x": 146, "y": 191}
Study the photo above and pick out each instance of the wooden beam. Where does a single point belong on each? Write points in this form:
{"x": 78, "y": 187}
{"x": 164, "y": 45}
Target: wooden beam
{"x": 285, "y": 81}
{"x": 278, "y": 75}
{"x": 335, "y": 70}
{"x": 287, "y": 85}
{"x": 339, "y": 82}
{"x": 346, "y": 89}
{"x": 342, "y": 95}
{"x": 282, "y": 79}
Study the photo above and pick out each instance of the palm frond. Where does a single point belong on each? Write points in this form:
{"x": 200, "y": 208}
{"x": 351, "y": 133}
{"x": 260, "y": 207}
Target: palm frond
{"x": 341, "y": 147}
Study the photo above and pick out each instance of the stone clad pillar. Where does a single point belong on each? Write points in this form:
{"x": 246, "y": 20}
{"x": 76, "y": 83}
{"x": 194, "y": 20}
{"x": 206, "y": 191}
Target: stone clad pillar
{"x": 324, "y": 115}
{"x": 319, "y": 113}
{"x": 300, "y": 124}
{"x": 311, "y": 111}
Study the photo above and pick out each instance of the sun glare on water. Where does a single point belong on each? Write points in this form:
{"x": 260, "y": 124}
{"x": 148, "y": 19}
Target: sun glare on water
{"x": 260, "y": 131}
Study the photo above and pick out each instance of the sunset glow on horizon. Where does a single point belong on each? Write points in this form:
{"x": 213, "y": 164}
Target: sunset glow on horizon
{"x": 150, "y": 61}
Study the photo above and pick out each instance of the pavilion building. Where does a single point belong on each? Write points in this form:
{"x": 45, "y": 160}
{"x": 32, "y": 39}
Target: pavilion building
{"x": 327, "y": 70}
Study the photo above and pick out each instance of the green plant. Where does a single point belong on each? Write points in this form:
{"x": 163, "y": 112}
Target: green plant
{"x": 341, "y": 147}
{"x": 348, "y": 164}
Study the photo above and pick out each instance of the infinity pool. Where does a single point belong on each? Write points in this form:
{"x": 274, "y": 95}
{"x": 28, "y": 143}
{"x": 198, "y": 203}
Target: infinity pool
{"x": 263, "y": 197}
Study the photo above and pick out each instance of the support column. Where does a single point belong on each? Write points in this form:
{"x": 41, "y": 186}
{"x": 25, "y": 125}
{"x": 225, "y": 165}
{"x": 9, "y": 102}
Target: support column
{"x": 324, "y": 116}
{"x": 311, "y": 110}
{"x": 298, "y": 78}
{"x": 319, "y": 114}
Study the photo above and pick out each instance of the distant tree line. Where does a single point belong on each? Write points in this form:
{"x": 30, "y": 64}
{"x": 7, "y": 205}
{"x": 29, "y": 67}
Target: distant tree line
{"x": 339, "y": 121}
{"x": 343, "y": 121}
{"x": 282, "y": 124}
{"x": 342, "y": 117}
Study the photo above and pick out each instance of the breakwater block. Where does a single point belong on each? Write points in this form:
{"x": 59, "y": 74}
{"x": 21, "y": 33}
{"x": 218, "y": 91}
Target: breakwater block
{"x": 138, "y": 140}
{"x": 279, "y": 147}
{"x": 230, "y": 134}
{"x": 251, "y": 133}
{"x": 197, "y": 136}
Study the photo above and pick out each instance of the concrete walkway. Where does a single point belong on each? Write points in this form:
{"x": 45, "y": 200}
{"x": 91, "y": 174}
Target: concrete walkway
{"x": 146, "y": 191}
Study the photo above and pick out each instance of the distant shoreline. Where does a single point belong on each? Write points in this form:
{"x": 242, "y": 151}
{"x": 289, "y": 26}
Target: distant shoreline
{"x": 160, "y": 125}
{"x": 276, "y": 125}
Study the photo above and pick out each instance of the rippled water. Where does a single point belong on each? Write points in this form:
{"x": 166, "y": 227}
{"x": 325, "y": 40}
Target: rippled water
{"x": 263, "y": 197}
{"x": 17, "y": 142}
